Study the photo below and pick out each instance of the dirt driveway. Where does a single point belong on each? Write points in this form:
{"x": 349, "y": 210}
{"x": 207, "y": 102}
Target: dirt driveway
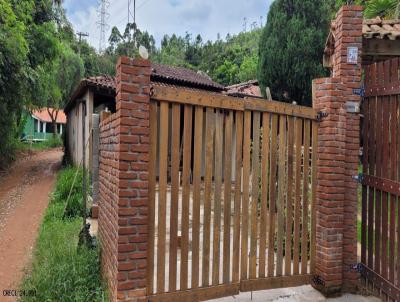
{"x": 24, "y": 195}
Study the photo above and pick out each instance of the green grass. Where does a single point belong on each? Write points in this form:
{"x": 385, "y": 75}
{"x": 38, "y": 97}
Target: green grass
{"x": 60, "y": 271}
{"x": 53, "y": 142}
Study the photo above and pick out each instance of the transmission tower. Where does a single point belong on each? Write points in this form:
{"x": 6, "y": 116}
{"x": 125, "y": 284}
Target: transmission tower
{"x": 102, "y": 23}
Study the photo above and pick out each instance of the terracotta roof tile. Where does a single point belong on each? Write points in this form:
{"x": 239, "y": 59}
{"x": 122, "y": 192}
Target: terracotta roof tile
{"x": 43, "y": 115}
{"x": 250, "y": 88}
{"x": 161, "y": 73}
{"x": 381, "y": 29}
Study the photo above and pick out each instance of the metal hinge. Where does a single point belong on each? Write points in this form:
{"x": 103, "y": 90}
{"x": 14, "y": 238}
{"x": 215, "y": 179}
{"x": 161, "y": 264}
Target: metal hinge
{"x": 359, "y": 267}
{"x": 317, "y": 280}
{"x": 359, "y": 178}
{"x": 321, "y": 115}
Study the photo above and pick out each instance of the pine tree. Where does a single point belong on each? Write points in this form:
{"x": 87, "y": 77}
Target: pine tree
{"x": 291, "y": 48}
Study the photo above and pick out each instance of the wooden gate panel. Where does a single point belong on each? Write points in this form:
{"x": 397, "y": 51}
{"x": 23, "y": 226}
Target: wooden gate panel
{"x": 232, "y": 195}
{"x": 380, "y": 225}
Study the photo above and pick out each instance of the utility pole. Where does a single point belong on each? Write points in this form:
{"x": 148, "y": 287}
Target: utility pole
{"x": 80, "y": 35}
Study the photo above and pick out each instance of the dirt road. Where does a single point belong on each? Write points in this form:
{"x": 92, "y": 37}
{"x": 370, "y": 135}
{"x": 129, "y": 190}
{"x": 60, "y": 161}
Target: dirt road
{"x": 24, "y": 195}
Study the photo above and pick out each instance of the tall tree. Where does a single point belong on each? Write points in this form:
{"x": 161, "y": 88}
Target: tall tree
{"x": 291, "y": 48}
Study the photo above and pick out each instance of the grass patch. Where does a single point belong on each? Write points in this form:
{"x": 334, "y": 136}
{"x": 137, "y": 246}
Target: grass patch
{"x": 60, "y": 271}
{"x": 53, "y": 142}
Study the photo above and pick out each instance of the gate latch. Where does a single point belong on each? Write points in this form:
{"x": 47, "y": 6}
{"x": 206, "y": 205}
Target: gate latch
{"x": 321, "y": 115}
{"x": 359, "y": 178}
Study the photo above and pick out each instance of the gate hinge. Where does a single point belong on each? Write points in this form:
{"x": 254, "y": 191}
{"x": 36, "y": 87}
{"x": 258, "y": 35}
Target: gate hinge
{"x": 317, "y": 280}
{"x": 321, "y": 115}
{"x": 359, "y": 267}
{"x": 359, "y": 178}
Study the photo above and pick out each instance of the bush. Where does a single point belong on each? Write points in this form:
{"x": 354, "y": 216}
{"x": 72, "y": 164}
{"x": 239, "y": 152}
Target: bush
{"x": 60, "y": 271}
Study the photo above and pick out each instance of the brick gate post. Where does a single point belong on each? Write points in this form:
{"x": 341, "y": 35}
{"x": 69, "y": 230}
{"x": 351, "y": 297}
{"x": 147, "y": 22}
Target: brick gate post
{"x": 124, "y": 145}
{"x": 338, "y": 157}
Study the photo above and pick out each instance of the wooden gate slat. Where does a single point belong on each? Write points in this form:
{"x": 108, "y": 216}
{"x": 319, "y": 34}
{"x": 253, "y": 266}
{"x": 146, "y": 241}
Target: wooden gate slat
{"x": 209, "y": 157}
{"x": 281, "y": 194}
{"x": 385, "y": 195}
{"x": 289, "y": 200}
{"x": 264, "y": 192}
{"x": 364, "y": 209}
{"x": 313, "y": 240}
{"x": 254, "y": 194}
{"x": 175, "y": 158}
{"x": 297, "y": 199}
{"x": 227, "y": 196}
{"x": 378, "y": 202}
{"x": 162, "y": 197}
{"x": 187, "y": 150}
{"x": 272, "y": 196}
{"x": 217, "y": 199}
{"x": 393, "y": 201}
{"x": 198, "y": 148}
{"x": 152, "y": 195}
{"x": 306, "y": 163}
{"x": 238, "y": 197}
{"x": 398, "y": 198}
{"x": 371, "y": 171}
{"x": 245, "y": 198}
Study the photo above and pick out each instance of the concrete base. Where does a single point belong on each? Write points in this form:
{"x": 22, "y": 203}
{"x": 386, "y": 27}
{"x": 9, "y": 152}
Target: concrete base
{"x": 304, "y": 293}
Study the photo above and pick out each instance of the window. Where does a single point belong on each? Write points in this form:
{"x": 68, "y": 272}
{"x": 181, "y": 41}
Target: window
{"x": 49, "y": 128}
{"x": 35, "y": 125}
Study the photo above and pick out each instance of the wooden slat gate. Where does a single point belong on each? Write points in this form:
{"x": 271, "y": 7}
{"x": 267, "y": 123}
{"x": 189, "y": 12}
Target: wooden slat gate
{"x": 380, "y": 227}
{"x": 232, "y": 195}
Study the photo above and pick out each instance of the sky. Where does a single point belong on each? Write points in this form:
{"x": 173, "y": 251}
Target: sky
{"x": 160, "y": 17}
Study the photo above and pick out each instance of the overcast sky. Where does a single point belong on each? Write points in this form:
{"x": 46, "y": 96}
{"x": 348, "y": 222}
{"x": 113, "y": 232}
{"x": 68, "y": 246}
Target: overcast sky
{"x": 160, "y": 17}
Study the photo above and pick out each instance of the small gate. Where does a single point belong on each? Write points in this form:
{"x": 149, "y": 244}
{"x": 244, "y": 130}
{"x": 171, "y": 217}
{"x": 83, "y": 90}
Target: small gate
{"x": 380, "y": 228}
{"x": 232, "y": 195}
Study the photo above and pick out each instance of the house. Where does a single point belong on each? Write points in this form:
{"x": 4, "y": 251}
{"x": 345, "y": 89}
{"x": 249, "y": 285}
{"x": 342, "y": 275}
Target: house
{"x": 380, "y": 39}
{"x": 39, "y": 124}
{"x": 250, "y": 88}
{"x": 96, "y": 94}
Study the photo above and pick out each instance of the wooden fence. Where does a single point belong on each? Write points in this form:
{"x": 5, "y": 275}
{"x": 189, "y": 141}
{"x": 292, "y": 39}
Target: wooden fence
{"x": 232, "y": 195}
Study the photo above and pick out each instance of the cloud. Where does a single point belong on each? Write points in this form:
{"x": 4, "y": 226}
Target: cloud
{"x": 159, "y": 17}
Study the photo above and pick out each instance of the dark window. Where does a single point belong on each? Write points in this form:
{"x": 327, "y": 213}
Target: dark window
{"x": 35, "y": 125}
{"x": 49, "y": 128}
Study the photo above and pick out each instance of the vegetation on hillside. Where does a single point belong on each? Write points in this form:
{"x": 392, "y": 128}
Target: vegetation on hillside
{"x": 227, "y": 61}
{"x": 60, "y": 270}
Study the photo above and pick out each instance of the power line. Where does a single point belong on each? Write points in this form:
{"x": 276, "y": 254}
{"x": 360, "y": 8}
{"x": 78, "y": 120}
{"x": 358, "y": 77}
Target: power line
{"x": 102, "y": 23}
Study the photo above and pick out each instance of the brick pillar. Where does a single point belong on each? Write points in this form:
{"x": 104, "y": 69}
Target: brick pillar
{"x": 349, "y": 34}
{"x": 124, "y": 148}
{"x": 338, "y": 153}
{"x": 331, "y": 168}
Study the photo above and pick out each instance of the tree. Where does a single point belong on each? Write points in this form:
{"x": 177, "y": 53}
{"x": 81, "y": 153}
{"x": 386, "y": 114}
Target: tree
{"x": 291, "y": 48}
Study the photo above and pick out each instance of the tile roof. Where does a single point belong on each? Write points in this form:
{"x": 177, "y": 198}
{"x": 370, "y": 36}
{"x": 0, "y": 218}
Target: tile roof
{"x": 381, "y": 29}
{"x": 179, "y": 75}
{"x": 250, "y": 88}
{"x": 44, "y": 116}
{"x": 376, "y": 28}
{"x": 160, "y": 73}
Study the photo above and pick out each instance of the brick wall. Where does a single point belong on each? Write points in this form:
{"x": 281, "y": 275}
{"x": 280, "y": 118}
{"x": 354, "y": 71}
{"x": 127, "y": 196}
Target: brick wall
{"x": 124, "y": 147}
{"x": 338, "y": 158}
